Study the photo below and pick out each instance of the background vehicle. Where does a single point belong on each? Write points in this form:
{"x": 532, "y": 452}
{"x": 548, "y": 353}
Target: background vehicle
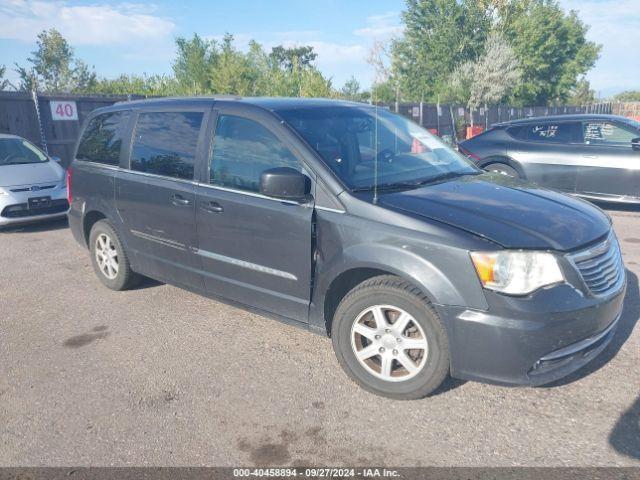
{"x": 32, "y": 185}
{"x": 355, "y": 222}
{"x": 593, "y": 156}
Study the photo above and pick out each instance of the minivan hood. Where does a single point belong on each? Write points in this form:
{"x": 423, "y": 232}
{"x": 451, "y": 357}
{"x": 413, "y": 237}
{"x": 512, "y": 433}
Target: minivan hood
{"x": 30, "y": 174}
{"x": 506, "y": 211}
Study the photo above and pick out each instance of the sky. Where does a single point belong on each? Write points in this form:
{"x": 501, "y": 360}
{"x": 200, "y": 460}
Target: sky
{"x": 138, "y": 37}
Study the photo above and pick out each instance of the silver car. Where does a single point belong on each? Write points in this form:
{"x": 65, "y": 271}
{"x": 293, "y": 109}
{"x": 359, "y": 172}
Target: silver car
{"x": 32, "y": 184}
{"x": 592, "y": 156}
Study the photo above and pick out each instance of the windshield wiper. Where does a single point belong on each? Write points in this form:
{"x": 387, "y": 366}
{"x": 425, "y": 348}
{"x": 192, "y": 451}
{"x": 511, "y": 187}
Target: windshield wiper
{"x": 420, "y": 183}
{"x": 443, "y": 177}
{"x": 386, "y": 186}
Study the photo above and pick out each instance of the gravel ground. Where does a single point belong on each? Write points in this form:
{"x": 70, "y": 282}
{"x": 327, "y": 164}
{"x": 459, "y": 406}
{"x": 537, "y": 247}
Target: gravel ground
{"x": 160, "y": 376}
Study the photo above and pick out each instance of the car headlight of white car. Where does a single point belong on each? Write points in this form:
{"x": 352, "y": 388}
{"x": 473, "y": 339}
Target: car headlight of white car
{"x": 517, "y": 272}
{"x": 3, "y": 192}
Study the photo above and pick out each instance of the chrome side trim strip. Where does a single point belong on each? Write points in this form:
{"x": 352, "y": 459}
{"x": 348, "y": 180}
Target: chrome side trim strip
{"x": 248, "y": 265}
{"x": 160, "y": 240}
{"x": 247, "y": 193}
{"x": 327, "y": 209}
{"x": 97, "y": 164}
{"x": 161, "y": 177}
{"x": 581, "y": 345}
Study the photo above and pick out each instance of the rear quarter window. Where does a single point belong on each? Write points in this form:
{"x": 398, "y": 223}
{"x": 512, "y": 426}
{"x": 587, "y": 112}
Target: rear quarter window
{"x": 515, "y": 131}
{"x": 102, "y": 138}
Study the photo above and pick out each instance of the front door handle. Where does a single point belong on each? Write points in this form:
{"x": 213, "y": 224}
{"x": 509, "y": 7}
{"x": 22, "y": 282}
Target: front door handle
{"x": 179, "y": 201}
{"x": 211, "y": 207}
{"x": 589, "y": 156}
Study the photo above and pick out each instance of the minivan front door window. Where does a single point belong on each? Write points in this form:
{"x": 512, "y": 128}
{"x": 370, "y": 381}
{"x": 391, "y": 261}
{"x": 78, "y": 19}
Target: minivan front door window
{"x": 242, "y": 150}
{"x": 366, "y": 146}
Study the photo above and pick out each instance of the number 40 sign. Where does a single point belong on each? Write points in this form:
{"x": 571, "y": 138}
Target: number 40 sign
{"x": 63, "y": 110}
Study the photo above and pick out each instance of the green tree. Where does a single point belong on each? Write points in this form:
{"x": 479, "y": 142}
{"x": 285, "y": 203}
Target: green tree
{"x": 192, "y": 66}
{"x": 151, "y": 86}
{"x": 4, "y": 83}
{"x": 489, "y": 80}
{"x": 582, "y": 94}
{"x": 628, "y": 96}
{"x": 302, "y": 56}
{"x": 439, "y": 35}
{"x": 551, "y": 46}
{"x": 54, "y": 67}
{"x": 231, "y": 72}
{"x": 351, "y": 89}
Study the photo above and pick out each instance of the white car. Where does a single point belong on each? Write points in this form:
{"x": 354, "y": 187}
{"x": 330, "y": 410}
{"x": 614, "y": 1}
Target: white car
{"x": 32, "y": 184}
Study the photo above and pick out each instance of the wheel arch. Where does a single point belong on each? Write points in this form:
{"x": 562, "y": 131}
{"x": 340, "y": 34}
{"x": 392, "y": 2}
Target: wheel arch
{"x": 350, "y": 272}
{"x": 88, "y": 221}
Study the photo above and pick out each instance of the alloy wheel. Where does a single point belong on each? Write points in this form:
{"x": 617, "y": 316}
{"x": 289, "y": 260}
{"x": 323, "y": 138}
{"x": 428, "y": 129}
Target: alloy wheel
{"x": 389, "y": 343}
{"x": 107, "y": 256}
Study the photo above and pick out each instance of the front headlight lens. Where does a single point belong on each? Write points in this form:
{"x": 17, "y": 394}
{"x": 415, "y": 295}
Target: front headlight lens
{"x": 516, "y": 272}
{"x": 3, "y": 192}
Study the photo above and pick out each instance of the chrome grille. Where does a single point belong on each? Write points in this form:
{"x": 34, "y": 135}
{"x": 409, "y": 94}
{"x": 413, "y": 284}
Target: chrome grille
{"x": 601, "y": 266}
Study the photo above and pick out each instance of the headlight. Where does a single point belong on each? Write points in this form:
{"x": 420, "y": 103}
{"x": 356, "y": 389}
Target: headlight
{"x": 516, "y": 272}
{"x": 3, "y": 192}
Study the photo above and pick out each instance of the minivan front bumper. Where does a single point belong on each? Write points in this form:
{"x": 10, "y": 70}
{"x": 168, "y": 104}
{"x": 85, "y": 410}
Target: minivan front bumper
{"x": 530, "y": 341}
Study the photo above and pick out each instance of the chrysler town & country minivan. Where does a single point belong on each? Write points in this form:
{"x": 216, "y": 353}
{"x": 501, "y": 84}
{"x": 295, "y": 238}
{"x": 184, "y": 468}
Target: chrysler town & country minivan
{"x": 353, "y": 222}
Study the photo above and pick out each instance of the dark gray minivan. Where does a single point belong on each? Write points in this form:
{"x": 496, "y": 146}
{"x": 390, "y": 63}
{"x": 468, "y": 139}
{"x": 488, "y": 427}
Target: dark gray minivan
{"x": 356, "y": 223}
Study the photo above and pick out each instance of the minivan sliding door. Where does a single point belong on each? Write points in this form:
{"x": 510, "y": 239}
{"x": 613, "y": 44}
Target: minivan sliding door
{"x": 156, "y": 195}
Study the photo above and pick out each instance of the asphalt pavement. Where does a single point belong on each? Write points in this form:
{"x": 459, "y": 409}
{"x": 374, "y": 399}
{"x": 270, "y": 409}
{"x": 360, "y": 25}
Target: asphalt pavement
{"x": 161, "y": 376}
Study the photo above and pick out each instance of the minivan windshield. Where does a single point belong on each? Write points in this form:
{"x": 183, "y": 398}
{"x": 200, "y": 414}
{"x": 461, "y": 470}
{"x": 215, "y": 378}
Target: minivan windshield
{"x": 362, "y": 143}
{"x": 15, "y": 151}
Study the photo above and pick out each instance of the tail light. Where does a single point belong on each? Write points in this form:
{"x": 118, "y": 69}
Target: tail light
{"x": 69, "y": 178}
{"x": 467, "y": 153}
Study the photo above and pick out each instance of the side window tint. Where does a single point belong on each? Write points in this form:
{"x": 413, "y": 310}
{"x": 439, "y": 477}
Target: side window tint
{"x": 242, "y": 150}
{"x": 165, "y": 143}
{"x": 607, "y": 133}
{"x": 102, "y": 138}
{"x": 553, "y": 132}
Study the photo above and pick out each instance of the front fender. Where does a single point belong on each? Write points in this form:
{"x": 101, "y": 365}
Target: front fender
{"x": 444, "y": 274}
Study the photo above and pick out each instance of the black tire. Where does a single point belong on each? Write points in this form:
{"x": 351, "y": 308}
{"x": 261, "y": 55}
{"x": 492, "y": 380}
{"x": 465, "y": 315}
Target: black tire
{"x": 503, "y": 169}
{"x": 125, "y": 277}
{"x": 392, "y": 291}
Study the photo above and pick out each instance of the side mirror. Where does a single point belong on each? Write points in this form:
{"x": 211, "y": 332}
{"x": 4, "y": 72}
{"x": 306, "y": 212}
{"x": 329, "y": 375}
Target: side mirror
{"x": 635, "y": 143}
{"x": 285, "y": 183}
{"x": 58, "y": 160}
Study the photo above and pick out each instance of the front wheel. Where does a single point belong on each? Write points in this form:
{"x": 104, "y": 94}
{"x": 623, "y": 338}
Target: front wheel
{"x": 390, "y": 340}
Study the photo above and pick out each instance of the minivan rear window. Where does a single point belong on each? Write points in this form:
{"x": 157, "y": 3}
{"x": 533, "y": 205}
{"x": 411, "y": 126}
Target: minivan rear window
{"x": 165, "y": 143}
{"x": 102, "y": 138}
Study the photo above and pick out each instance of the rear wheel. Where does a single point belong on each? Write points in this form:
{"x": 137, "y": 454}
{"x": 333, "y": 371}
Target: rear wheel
{"x": 110, "y": 261}
{"x": 390, "y": 340}
{"x": 502, "y": 169}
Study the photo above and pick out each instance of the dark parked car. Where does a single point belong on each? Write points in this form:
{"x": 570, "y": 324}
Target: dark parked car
{"x": 593, "y": 156}
{"x": 353, "y": 222}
